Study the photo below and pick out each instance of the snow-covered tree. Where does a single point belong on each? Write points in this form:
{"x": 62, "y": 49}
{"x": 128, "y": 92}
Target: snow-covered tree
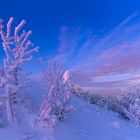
{"x": 18, "y": 49}
{"x": 56, "y": 102}
{"x": 133, "y": 111}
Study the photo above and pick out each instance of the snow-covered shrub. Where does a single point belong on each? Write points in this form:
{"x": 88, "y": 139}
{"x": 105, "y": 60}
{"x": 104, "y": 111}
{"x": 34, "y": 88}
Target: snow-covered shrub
{"x": 56, "y": 103}
{"x": 115, "y": 104}
{"x": 133, "y": 111}
{"x": 17, "y": 48}
{"x": 130, "y": 105}
{"x": 98, "y": 100}
{"x": 82, "y": 94}
{"x": 24, "y": 97}
{"x": 127, "y": 105}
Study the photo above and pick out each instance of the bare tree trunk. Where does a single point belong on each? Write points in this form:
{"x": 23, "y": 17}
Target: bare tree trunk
{"x": 44, "y": 106}
{"x": 10, "y": 115}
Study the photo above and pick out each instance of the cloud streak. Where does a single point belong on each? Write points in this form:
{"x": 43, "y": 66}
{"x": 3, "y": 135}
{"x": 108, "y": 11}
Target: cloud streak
{"x": 92, "y": 55}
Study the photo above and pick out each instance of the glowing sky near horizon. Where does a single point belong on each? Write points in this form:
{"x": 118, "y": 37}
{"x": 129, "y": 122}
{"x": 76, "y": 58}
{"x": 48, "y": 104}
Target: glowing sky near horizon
{"x": 99, "y": 40}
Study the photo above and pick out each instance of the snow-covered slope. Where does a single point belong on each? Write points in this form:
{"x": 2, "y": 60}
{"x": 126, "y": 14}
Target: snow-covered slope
{"x": 87, "y": 122}
{"x": 91, "y": 123}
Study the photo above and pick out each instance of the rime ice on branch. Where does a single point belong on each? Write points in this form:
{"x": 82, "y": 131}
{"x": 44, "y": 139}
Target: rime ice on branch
{"x": 18, "y": 49}
{"x": 56, "y": 103}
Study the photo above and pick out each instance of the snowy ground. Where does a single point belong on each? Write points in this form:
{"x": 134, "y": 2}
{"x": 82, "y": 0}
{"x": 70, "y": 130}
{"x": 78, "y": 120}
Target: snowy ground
{"x": 91, "y": 123}
{"x": 85, "y": 123}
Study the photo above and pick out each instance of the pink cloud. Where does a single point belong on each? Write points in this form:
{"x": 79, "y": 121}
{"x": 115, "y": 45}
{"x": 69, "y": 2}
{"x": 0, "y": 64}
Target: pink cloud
{"x": 118, "y": 61}
{"x": 90, "y": 55}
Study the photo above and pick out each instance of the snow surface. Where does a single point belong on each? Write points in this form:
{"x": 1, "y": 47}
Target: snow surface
{"x": 87, "y": 122}
{"x": 92, "y": 123}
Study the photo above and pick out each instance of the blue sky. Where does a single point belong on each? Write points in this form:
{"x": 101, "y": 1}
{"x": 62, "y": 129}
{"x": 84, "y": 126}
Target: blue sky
{"x": 46, "y": 17}
{"x": 97, "y": 39}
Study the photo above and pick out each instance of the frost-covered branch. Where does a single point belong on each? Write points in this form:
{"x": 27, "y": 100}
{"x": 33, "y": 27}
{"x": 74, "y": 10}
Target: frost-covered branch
{"x": 18, "y": 49}
{"x": 56, "y": 103}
